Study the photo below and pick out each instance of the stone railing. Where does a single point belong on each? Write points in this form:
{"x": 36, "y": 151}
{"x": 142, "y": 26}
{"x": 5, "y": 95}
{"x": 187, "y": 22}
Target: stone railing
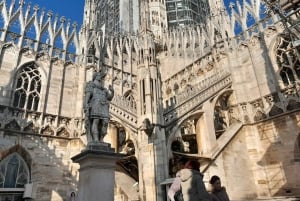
{"x": 197, "y": 95}
{"x": 207, "y": 82}
{"x": 127, "y": 105}
{"x": 124, "y": 110}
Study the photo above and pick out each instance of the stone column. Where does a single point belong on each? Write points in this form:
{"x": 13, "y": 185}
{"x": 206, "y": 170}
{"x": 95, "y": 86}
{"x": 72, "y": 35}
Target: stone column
{"x": 206, "y": 139}
{"x": 96, "y": 173}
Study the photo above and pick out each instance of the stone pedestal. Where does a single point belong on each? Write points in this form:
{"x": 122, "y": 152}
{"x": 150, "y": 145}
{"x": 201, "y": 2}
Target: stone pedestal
{"x": 97, "y": 172}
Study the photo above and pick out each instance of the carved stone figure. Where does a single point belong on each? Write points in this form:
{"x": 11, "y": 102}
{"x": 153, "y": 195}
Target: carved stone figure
{"x": 96, "y": 107}
{"x": 147, "y": 127}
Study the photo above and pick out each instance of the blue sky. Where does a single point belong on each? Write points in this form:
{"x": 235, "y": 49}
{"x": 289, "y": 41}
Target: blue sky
{"x": 71, "y": 9}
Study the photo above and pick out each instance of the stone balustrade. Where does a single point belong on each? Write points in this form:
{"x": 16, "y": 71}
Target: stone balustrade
{"x": 128, "y": 105}
{"x": 124, "y": 109}
{"x": 197, "y": 95}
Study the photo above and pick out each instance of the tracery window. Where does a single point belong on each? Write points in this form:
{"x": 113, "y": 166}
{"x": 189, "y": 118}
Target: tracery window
{"x": 130, "y": 98}
{"x": 14, "y": 174}
{"x": 288, "y": 60}
{"x": 27, "y": 88}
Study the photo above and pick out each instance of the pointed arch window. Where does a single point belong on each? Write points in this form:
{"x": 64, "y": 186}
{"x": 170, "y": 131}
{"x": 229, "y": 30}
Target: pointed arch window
{"x": 288, "y": 61}
{"x": 129, "y": 96}
{"x": 27, "y": 88}
{"x": 14, "y": 172}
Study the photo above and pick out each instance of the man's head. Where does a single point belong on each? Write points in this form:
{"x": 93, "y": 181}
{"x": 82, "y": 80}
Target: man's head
{"x": 98, "y": 75}
{"x": 215, "y": 182}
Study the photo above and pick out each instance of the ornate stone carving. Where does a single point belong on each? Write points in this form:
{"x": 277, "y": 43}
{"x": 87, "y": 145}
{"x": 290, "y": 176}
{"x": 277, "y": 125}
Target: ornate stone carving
{"x": 13, "y": 120}
{"x": 47, "y": 130}
{"x": 270, "y": 31}
{"x": 234, "y": 116}
{"x": 168, "y": 91}
{"x": 293, "y": 104}
{"x": 200, "y": 72}
{"x": 127, "y": 148}
{"x": 5, "y": 117}
{"x": 259, "y": 116}
{"x": 209, "y": 66}
{"x": 13, "y": 125}
{"x": 62, "y": 129}
{"x": 257, "y": 103}
{"x": 275, "y": 111}
{"x": 254, "y": 40}
{"x": 62, "y": 132}
{"x": 31, "y": 128}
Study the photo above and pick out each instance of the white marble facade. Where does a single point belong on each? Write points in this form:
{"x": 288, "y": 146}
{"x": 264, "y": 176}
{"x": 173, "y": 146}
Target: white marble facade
{"x": 232, "y": 101}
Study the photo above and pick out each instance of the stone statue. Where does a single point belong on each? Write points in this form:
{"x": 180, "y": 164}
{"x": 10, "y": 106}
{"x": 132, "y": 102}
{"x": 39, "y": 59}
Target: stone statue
{"x": 96, "y": 108}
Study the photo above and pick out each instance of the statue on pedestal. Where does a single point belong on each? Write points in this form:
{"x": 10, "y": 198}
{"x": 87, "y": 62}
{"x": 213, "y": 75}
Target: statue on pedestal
{"x": 96, "y": 108}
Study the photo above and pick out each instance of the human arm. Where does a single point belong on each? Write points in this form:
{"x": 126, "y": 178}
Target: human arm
{"x": 87, "y": 98}
{"x": 110, "y": 93}
{"x": 174, "y": 188}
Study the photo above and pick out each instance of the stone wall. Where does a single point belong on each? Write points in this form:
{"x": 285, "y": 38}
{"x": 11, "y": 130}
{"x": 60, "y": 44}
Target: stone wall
{"x": 61, "y": 82}
{"x": 52, "y": 172}
{"x": 262, "y": 160}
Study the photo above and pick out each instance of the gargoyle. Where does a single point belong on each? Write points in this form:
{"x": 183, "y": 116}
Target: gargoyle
{"x": 147, "y": 127}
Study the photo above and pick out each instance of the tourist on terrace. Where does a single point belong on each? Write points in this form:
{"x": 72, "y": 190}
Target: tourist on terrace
{"x": 218, "y": 192}
{"x": 176, "y": 183}
{"x": 192, "y": 185}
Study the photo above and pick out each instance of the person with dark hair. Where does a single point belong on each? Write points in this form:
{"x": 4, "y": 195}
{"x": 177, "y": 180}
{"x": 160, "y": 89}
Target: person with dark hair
{"x": 192, "y": 164}
{"x": 175, "y": 187}
{"x": 218, "y": 192}
{"x": 192, "y": 185}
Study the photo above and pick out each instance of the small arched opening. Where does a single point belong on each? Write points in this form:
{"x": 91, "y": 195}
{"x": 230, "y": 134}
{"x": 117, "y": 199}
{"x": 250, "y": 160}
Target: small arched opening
{"x": 222, "y": 118}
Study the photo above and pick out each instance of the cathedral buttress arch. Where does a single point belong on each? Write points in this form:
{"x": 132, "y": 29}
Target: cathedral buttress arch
{"x": 202, "y": 130}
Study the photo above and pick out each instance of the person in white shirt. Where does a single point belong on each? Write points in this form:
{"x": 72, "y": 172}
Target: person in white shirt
{"x": 175, "y": 186}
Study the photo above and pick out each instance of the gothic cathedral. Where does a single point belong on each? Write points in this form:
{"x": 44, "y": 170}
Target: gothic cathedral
{"x": 201, "y": 83}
